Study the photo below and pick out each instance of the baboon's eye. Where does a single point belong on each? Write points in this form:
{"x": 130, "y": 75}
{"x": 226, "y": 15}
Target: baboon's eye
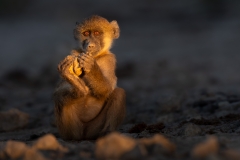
{"x": 96, "y": 33}
{"x": 86, "y": 33}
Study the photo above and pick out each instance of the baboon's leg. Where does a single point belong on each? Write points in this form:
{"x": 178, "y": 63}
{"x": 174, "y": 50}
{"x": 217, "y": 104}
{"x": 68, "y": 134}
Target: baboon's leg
{"x": 110, "y": 117}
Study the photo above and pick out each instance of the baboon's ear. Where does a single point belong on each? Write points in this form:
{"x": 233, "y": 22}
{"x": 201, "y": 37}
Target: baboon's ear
{"x": 116, "y": 30}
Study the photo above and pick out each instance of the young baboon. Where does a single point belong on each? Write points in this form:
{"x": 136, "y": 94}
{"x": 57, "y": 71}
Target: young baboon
{"x": 88, "y": 102}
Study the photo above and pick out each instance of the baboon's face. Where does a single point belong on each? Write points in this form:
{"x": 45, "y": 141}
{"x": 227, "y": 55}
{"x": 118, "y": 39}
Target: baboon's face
{"x": 95, "y": 34}
{"x": 91, "y": 40}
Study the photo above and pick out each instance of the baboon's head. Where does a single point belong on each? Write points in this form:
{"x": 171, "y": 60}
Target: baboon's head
{"x": 96, "y": 34}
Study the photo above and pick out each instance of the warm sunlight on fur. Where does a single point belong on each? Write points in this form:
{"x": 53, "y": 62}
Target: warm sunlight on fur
{"x": 88, "y": 102}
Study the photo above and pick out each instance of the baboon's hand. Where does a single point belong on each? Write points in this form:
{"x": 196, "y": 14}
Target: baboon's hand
{"x": 65, "y": 67}
{"x": 74, "y": 53}
{"x": 86, "y": 62}
{"x": 76, "y": 67}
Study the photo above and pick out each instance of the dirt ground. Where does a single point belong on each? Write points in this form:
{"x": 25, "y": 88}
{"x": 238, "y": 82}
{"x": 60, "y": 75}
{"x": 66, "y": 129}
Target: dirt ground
{"x": 177, "y": 61}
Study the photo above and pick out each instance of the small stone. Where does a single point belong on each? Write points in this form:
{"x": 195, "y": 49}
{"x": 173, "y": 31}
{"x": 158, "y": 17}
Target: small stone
{"x": 231, "y": 154}
{"x": 49, "y": 142}
{"x": 15, "y": 149}
{"x": 206, "y": 148}
{"x": 158, "y": 139}
{"x": 12, "y": 120}
{"x": 114, "y": 146}
{"x": 191, "y": 130}
{"x": 32, "y": 153}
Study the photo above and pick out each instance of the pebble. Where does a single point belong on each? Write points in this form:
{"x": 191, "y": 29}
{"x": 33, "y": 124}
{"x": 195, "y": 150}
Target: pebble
{"x": 49, "y": 142}
{"x": 206, "y": 148}
{"x": 15, "y": 149}
{"x": 158, "y": 139}
{"x": 13, "y": 119}
{"x": 33, "y": 154}
{"x": 231, "y": 154}
{"x": 114, "y": 146}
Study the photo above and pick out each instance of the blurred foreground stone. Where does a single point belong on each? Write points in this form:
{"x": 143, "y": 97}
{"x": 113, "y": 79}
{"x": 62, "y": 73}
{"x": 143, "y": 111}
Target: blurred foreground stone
{"x": 231, "y": 154}
{"x": 12, "y": 120}
{"x": 207, "y": 148}
{"x": 49, "y": 142}
{"x": 118, "y": 146}
{"x": 17, "y": 150}
{"x": 114, "y": 146}
{"x": 158, "y": 140}
{"x": 33, "y": 154}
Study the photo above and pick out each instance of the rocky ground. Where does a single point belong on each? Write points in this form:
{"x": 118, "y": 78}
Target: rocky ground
{"x": 178, "y": 63}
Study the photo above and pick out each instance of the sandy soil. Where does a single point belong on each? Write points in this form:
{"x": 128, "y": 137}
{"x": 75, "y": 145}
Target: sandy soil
{"x": 178, "y": 63}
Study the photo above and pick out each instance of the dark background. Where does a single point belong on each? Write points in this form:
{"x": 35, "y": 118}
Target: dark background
{"x": 167, "y": 52}
{"x": 168, "y": 46}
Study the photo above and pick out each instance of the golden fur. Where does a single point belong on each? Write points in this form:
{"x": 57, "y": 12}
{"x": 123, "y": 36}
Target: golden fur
{"x": 87, "y": 102}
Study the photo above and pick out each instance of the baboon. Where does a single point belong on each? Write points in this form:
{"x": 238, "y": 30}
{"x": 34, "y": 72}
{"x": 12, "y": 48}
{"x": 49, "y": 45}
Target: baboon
{"x": 88, "y": 102}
